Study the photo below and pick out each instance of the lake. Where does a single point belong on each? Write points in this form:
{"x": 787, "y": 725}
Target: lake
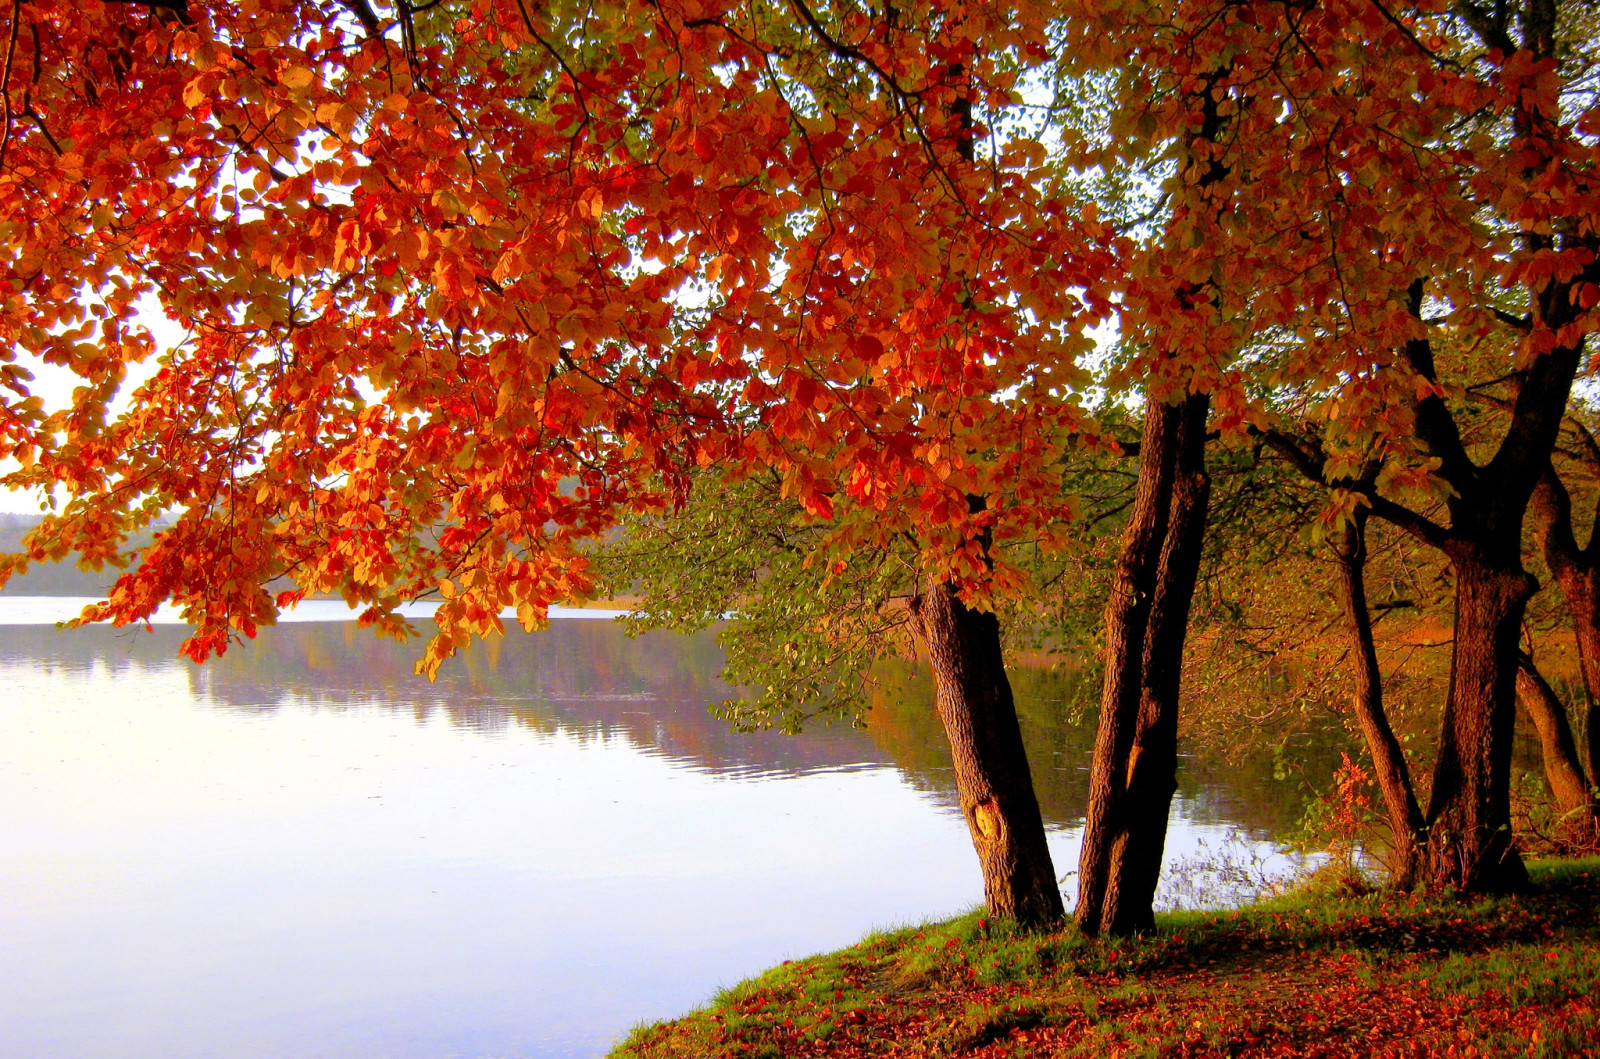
{"x": 304, "y": 850}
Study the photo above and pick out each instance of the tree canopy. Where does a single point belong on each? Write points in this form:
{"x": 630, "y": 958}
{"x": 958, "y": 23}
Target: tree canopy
{"x": 459, "y": 285}
{"x": 463, "y": 284}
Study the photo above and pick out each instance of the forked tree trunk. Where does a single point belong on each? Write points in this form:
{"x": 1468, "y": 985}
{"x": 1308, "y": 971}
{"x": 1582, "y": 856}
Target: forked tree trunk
{"x": 1573, "y": 795}
{"x": 1388, "y": 760}
{"x": 1153, "y": 761}
{"x": 1134, "y": 772}
{"x": 993, "y": 782}
{"x": 1469, "y": 812}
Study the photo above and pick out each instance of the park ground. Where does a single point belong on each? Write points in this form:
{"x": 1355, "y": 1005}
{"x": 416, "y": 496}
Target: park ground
{"x": 1317, "y": 972}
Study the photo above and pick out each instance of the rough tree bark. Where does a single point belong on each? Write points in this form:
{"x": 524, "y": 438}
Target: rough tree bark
{"x": 1388, "y": 760}
{"x": 993, "y": 781}
{"x": 1571, "y": 788}
{"x": 1134, "y": 772}
{"x": 1469, "y": 809}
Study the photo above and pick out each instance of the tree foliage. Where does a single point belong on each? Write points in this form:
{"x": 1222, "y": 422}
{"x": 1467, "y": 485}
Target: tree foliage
{"x": 459, "y": 285}
{"x": 462, "y": 286}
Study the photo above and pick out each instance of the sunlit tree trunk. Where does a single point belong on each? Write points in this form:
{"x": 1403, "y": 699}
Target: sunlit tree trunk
{"x": 1470, "y": 845}
{"x": 1134, "y": 771}
{"x": 993, "y": 781}
{"x": 1388, "y": 760}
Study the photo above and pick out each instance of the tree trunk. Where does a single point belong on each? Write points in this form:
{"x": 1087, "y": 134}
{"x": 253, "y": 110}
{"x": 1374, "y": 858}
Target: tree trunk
{"x": 993, "y": 782}
{"x": 1583, "y": 603}
{"x": 1576, "y": 575}
{"x": 1388, "y": 760}
{"x": 1134, "y": 772}
{"x": 1127, "y": 623}
{"x": 1469, "y": 813}
{"x": 1561, "y": 768}
{"x": 1153, "y": 761}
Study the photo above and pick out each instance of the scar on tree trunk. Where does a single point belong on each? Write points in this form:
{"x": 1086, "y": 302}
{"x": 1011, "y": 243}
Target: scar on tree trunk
{"x": 993, "y": 782}
{"x": 1134, "y": 771}
{"x": 1388, "y": 760}
{"x": 1572, "y": 790}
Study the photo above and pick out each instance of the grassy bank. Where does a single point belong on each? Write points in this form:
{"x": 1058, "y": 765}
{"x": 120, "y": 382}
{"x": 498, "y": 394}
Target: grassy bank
{"x": 1304, "y": 975}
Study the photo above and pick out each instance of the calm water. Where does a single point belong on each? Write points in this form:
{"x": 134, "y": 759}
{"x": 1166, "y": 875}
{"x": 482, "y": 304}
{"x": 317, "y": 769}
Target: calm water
{"x": 302, "y": 850}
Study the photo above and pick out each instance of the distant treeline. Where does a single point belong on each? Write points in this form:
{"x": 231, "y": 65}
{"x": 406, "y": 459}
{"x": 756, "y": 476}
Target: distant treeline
{"x": 47, "y": 579}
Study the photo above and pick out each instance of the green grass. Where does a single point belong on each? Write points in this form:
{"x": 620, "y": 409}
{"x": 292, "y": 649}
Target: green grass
{"x": 1308, "y": 973}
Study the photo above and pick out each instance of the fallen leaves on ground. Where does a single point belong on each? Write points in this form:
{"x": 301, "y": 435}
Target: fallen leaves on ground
{"x": 1396, "y": 975}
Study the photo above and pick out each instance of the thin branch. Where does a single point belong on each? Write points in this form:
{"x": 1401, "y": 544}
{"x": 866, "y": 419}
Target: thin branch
{"x": 1411, "y": 36}
{"x": 178, "y": 8}
{"x": 1519, "y": 323}
{"x": 5, "y": 76}
{"x": 1311, "y": 464}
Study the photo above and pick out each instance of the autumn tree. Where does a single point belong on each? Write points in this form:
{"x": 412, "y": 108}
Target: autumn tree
{"x": 1391, "y": 177}
{"x": 461, "y": 284}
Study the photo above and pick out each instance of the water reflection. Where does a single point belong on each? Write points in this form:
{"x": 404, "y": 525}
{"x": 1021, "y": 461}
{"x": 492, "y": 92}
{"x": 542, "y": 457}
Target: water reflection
{"x": 1056, "y": 708}
{"x": 584, "y": 678}
{"x": 302, "y": 849}
{"x": 587, "y": 679}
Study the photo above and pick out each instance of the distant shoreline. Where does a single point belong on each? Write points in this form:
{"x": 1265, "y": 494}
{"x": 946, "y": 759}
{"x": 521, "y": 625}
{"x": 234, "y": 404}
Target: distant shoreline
{"x": 53, "y": 609}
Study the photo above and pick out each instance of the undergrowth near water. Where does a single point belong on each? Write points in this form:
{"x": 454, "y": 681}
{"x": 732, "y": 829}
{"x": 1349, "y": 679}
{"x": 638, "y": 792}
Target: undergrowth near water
{"x": 1313, "y": 973}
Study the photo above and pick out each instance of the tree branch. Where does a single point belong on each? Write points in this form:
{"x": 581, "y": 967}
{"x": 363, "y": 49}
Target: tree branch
{"x": 1436, "y": 427}
{"x": 1310, "y": 463}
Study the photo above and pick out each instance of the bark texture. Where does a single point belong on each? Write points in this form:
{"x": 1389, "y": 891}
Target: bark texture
{"x": 1388, "y": 760}
{"x": 1469, "y": 812}
{"x": 1134, "y": 772}
{"x": 993, "y": 782}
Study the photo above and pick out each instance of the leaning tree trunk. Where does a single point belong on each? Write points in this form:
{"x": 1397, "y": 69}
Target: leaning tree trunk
{"x": 993, "y": 782}
{"x": 1582, "y": 594}
{"x": 1388, "y": 760}
{"x": 1469, "y": 812}
{"x": 1573, "y": 794}
{"x": 1577, "y": 576}
{"x": 1134, "y": 772}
